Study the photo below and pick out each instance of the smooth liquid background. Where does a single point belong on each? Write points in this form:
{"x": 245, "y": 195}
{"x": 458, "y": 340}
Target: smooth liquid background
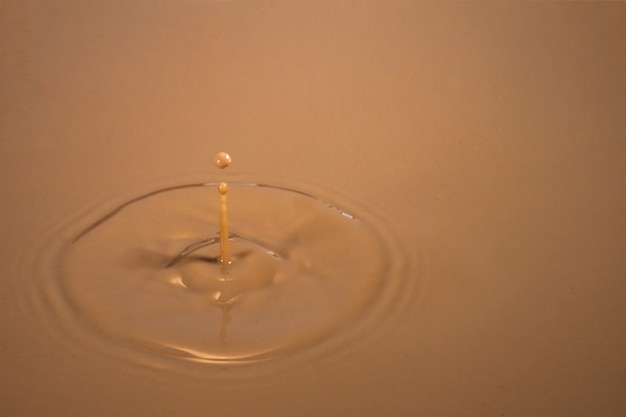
{"x": 490, "y": 136}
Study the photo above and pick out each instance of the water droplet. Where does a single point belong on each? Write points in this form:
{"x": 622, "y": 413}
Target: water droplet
{"x": 222, "y": 160}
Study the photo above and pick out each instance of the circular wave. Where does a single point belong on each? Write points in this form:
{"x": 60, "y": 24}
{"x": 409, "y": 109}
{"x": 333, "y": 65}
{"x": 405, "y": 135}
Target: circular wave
{"x": 145, "y": 275}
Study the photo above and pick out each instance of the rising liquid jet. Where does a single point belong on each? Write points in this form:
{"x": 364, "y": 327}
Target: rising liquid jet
{"x": 222, "y": 160}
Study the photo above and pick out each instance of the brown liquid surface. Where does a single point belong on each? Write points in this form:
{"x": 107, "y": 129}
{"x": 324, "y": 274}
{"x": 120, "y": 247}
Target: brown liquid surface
{"x": 488, "y": 139}
{"x": 153, "y": 275}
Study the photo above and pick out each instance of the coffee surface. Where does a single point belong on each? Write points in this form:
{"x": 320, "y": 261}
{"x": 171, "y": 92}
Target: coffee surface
{"x": 470, "y": 260}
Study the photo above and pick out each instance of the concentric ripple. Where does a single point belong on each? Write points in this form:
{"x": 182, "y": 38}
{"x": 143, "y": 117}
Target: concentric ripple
{"x": 146, "y": 275}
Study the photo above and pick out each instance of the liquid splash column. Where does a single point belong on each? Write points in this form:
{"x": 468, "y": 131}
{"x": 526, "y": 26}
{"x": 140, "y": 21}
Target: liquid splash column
{"x": 223, "y": 160}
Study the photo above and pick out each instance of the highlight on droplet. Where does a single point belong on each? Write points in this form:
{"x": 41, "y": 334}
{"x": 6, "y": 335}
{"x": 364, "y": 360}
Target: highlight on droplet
{"x": 222, "y": 160}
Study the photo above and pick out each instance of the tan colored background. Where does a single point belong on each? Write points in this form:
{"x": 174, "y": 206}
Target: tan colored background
{"x": 491, "y": 134}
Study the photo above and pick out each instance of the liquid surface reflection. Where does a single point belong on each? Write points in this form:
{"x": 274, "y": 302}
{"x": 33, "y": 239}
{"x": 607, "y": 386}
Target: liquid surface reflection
{"x": 147, "y": 275}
